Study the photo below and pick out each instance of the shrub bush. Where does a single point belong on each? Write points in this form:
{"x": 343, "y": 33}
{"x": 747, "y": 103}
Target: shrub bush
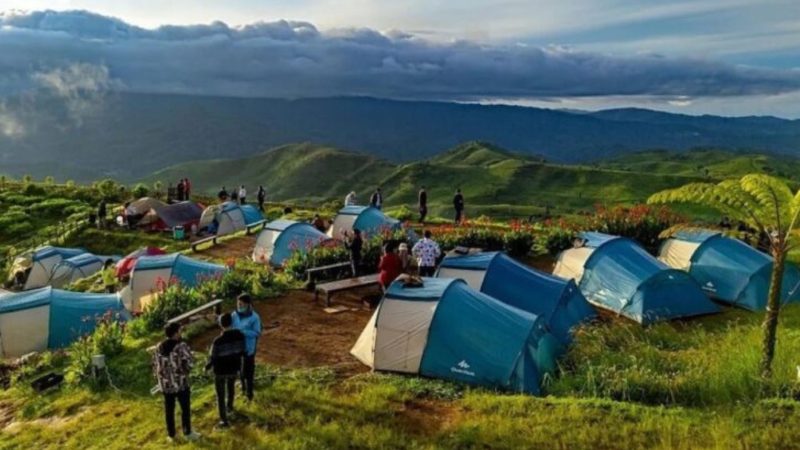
{"x": 173, "y": 301}
{"x": 106, "y": 340}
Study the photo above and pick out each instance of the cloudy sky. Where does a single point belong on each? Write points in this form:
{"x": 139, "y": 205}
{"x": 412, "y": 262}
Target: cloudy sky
{"x": 730, "y": 57}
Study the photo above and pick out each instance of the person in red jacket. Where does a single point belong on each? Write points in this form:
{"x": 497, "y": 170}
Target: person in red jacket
{"x": 390, "y": 266}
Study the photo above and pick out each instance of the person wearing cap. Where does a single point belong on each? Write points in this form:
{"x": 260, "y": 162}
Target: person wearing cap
{"x": 247, "y": 320}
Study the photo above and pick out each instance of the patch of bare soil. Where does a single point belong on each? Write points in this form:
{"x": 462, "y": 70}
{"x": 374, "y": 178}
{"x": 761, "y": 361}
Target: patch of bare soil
{"x": 304, "y": 335}
{"x": 7, "y": 410}
{"x": 427, "y": 417}
{"x": 232, "y": 248}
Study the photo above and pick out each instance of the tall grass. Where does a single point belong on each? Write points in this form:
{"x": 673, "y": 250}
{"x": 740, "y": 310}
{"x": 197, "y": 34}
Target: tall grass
{"x": 711, "y": 361}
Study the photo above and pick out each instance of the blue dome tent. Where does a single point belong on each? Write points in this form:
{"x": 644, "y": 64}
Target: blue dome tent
{"x": 280, "y": 238}
{"x": 77, "y": 267}
{"x": 558, "y": 301}
{"x": 152, "y": 273}
{"x": 447, "y": 330}
{"x": 617, "y": 274}
{"x": 48, "y": 318}
{"x": 365, "y": 218}
{"x": 727, "y": 269}
{"x": 229, "y": 218}
{"x": 41, "y": 263}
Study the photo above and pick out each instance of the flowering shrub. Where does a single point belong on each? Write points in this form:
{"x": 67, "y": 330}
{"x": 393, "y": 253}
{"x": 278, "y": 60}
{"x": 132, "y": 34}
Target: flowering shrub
{"x": 105, "y": 340}
{"x": 642, "y": 223}
{"x": 174, "y": 300}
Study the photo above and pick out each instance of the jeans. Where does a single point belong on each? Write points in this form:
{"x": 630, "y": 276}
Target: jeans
{"x": 223, "y": 386}
{"x": 459, "y": 213}
{"x": 184, "y": 399}
{"x": 427, "y": 271}
{"x": 423, "y": 212}
{"x": 248, "y": 375}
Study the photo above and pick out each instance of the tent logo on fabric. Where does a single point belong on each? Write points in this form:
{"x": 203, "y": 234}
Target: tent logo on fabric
{"x": 463, "y": 368}
{"x": 710, "y": 287}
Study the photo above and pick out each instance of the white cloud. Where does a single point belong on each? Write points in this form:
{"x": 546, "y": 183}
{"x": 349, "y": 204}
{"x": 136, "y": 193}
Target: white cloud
{"x": 10, "y": 125}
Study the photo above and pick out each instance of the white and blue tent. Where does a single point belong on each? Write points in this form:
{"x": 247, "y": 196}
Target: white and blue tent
{"x": 229, "y": 218}
{"x": 153, "y": 273}
{"x": 559, "y": 302}
{"x": 727, "y": 269}
{"x": 48, "y": 318}
{"x": 447, "y": 330}
{"x": 41, "y": 263}
{"x": 77, "y": 267}
{"x": 280, "y": 238}
{"x": 617, "y": 274}
{"x": 368, "y": 219}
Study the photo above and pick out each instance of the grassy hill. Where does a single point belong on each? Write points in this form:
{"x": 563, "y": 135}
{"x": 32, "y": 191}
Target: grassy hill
{"x": 495, "y": 181}
{"x": 707, "y": 163}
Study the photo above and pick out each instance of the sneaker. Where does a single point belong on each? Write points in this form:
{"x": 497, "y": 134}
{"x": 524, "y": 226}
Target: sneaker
{"x": 193, "y": 436}
{"x": 170, "y": 440}
{"x": 223, "y": 424}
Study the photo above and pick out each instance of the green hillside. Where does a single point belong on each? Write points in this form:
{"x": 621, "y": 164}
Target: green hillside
{"x": 495, "y": 181}
{"x": 715, "y": 164}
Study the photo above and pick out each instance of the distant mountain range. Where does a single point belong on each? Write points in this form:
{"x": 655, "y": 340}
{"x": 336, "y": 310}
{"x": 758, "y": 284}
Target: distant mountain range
{"x": 495, "y": 182}
{"x": 128, "y": 136}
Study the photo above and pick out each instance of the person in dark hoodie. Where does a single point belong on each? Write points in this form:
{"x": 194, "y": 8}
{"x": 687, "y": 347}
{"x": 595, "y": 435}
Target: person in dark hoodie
{"x": 225, "y": 359}
{"x": 172, "y": 363}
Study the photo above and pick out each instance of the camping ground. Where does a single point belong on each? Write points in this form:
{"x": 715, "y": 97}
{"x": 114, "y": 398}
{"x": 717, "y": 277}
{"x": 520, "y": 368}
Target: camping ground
{"x": 684, "y": 384}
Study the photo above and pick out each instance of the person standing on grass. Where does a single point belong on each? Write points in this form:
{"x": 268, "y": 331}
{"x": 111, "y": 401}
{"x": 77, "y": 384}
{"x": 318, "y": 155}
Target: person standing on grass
{"x": 350, "y": 199}
{"x": 261, "y": 196}
{"x": 187, "y": 189}
{"x": 181, "y": 190}
{"x": 458, "y": 205}
{"x": 390, "y": 266}
{"x": 319, "y": 224}
{"x": 242, "y": 195}
{"x": 422, "y": 202}
{"x": 102, "y": 212}
{"x": 427, "y": 251}
{"x": 376, "y": 201}
{"x": 172, "y": 363}
{"x": 247, "y": 320}
{"x": 109, "y": 276}
{"x": 355, "y": 244}
{"x": 226, "y": 358}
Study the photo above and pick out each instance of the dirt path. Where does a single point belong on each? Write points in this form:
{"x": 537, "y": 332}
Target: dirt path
{"x": 306, "y": 336}
{"x": 232, "y": 248}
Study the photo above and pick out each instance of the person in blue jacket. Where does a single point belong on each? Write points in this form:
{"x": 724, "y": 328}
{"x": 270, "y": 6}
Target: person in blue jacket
{"x": 246, "y": 320}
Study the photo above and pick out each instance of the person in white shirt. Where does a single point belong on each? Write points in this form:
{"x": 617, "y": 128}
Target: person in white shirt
{"x": 242, "y": 195}
{"x": 351, "y": 199}
{"x": 427, "y": 252}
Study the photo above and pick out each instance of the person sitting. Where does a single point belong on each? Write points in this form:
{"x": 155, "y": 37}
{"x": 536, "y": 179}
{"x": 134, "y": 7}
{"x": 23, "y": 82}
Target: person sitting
{"x": 390, "y": 266}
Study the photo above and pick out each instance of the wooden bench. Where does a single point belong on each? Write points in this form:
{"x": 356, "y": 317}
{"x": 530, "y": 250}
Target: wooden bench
{"x": 317, "y": 270}
{"x": 255, "y": 226}
{"x": 198, "y": 243}
{"x": 344, "y": 285}
{"x": 194, "y": 312}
